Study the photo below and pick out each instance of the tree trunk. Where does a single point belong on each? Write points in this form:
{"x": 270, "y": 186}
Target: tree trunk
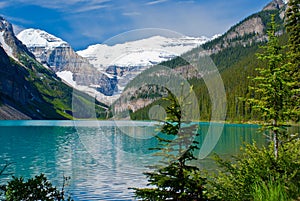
{"x": 275, "y": 139}
{"x": 276, "y": 143}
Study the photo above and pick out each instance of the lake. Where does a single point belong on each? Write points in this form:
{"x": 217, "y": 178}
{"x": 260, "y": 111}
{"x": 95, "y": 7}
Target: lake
{"x": 103, "y": 158}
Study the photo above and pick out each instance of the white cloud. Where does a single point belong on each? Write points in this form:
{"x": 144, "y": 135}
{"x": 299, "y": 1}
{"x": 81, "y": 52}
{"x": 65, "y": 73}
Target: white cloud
{"x": 131, "y": 13}
{"x": 185, "y": 2}
{"x": 156, "y": 2}
{"x": 69, "y": 5}
{"x": 90, "y": 8}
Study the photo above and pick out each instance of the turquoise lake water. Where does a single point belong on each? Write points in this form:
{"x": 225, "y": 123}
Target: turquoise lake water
{"x": 102, "y": 158}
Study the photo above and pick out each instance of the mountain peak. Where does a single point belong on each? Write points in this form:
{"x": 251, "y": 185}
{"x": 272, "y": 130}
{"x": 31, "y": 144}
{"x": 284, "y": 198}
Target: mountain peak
{"x": 6, "y": 37}
{"x": 5, "y": 25}
{"x": 8, "y": 41}
{"x": 275, "y": 5}
{"x": 39, "y": 38}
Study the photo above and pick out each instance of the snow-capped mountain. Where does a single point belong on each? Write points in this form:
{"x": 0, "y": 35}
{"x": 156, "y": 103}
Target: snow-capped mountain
{"x": 143, "y": 52}
{"x": 40, "y": 38}
{"x": 28, "y": 90}
{"x": 60, "y": 57}
{"x": 101, "y": 69}
{"x": 129, "y": 59}
{"x": 52, "y": 51}
{"x": 8, "y": 41}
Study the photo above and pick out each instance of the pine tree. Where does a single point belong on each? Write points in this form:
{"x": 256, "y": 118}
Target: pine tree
{"x": 293, "y": 30}
{"x": 174, "y": 178}
{"x": 273, "y": 88}
{"x": 293, "y": 25}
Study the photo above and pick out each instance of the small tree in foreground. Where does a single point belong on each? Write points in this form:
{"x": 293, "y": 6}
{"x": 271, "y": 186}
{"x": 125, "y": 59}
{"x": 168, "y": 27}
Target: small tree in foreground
{"x": 37, "y": 188}
{"x": 175, "y": 178}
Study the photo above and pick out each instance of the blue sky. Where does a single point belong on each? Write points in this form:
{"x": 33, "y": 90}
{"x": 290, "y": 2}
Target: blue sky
{"x": 86, "y": 22}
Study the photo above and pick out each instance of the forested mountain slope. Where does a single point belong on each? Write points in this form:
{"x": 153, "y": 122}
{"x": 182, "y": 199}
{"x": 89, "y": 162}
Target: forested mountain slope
{"x": 234, "y": 54}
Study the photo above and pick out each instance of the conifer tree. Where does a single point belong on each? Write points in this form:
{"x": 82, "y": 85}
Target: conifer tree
{"x": 175, "y": 178}
{"x": 293, "y": 30}
{"x": 293, "y": 25}
{"x": 274, "y": 89}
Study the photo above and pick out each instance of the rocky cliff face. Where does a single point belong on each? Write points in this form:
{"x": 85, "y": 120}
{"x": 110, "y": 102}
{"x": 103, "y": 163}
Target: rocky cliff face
{"x": 253, "y": 29}
{"x": 9, "y": 42}
{"x": 59, "y": 56}
{"x": 275, "y": 4}
{"x": 13, "y": 83}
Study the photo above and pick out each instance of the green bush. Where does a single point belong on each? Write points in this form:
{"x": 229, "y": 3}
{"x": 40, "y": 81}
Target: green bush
{"x": 37, "y": 188}
{"x": 238, "y": 180}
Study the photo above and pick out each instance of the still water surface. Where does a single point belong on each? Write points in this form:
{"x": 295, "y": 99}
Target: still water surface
{"x": 104, "y": 158}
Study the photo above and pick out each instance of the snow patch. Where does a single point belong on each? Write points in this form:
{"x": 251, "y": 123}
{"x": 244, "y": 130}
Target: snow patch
{"x": 67, "y": 76}
{"x": 216, "y": 36}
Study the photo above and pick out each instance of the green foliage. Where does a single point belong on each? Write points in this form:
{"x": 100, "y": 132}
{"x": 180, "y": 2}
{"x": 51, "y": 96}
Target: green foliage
{"x": 293, "y": 25}
{"x": 37, "y": 188}
{"x": 269, "y": 191}
{"x": 173, "y": 63}
{"x": 268, "y": 173}
{"x": 274, "y": 89}
{"x": 3, "y": 187}
{"x": 255, "y": 166}
{"x": 172, "y": 184}
{"x": 293, "y": 29}
{"x": 238, "y": 61}
{"x": 174, "y": 178}
{"x": 272, "y": 83}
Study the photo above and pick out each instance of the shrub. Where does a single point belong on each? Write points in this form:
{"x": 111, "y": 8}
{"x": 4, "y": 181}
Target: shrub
{"x": 37, "y": 188}
{"x": 239, "y": 179}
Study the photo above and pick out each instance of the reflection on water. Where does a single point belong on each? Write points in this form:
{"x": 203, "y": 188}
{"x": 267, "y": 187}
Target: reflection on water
{"x": 102, "y": 161}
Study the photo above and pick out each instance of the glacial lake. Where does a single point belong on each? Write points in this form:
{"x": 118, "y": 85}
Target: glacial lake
{"x": 103, "y": 158}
